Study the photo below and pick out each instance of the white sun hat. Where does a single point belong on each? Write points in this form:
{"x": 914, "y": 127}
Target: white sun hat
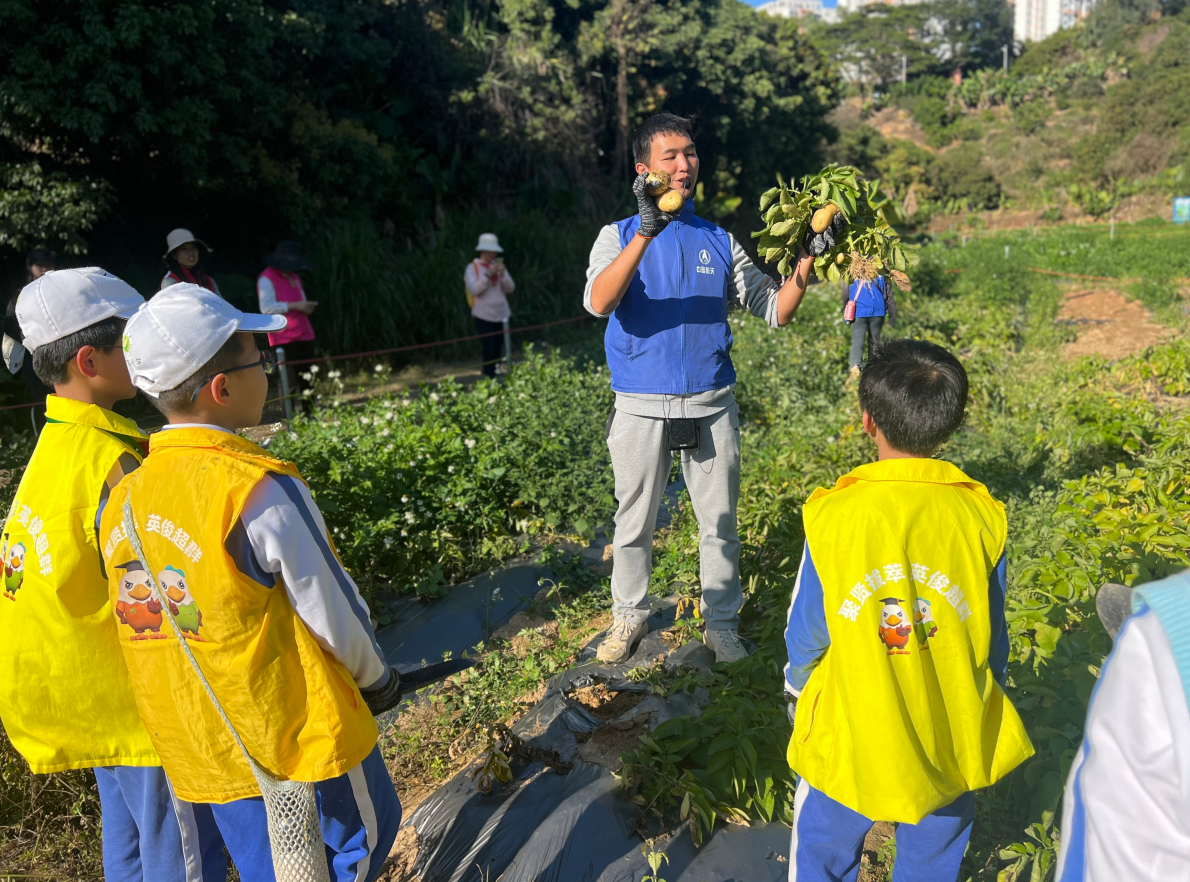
{"x": 179, "y": 331}
{"x": 179, "y": 237}
{"x": 489, "y": 242}
{"x": 63, "y": 302}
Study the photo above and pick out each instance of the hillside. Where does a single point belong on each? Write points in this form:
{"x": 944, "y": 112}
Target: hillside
{"x": 1081, "y": 128}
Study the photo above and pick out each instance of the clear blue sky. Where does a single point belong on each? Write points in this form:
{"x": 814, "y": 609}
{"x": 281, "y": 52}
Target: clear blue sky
{"x": 829, "y": 4}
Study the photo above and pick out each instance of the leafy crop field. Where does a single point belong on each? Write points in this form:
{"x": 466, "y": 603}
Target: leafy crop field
{"x": 1091, "y": 458}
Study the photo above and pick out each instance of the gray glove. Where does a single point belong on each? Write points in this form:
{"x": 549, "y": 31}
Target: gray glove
{"x": 818, "y": 244}
{"x": 384, "y": 697}
{"x": 790, "y": 708}
{"x": 652, "y": 218}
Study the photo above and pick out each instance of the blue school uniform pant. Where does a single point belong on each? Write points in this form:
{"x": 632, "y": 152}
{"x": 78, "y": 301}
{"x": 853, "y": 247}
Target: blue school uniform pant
{"x": 141, "y": 837}
{"x": 360, "y": 815}
{"x": 828, "y": 840}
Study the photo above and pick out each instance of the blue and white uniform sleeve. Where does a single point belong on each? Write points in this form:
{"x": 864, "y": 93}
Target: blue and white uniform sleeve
{"x": 281, "y": 533}
{"x": 806, "y": 635}
{"x": 1126, "y": 812}
{"x": 997, "y": 595}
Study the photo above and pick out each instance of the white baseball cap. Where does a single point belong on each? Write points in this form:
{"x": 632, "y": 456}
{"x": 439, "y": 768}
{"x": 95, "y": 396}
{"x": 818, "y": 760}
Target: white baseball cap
{"x": 63, "y": 302}
{"x": 179, "y": 331}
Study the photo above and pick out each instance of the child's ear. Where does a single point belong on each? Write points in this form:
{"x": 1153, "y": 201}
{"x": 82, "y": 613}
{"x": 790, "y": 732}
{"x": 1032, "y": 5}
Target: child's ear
{"x": 220, "y": 392}
{"x": 869, "y": 426}
{"x": 85, "y": 363}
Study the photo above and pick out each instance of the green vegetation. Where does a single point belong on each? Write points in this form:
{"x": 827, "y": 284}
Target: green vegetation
{"x": 1090, "y": 458}
{"x": 420, "y": 492}
{"x": 1087, "y": 122}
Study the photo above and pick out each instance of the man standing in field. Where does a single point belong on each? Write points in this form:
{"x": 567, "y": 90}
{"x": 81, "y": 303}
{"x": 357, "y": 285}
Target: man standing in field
{"x": 664, "y": 280}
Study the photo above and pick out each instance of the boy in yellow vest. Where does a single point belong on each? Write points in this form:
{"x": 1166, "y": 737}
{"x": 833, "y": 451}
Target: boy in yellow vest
{"x": 280, "y": 630}
{"x": 65, "y": 696}
{"x": 897, "y": 642}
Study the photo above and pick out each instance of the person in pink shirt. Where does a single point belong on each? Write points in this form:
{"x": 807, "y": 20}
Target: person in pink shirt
{"x": 279, "y": 290}
{"x": 488, "y": 282}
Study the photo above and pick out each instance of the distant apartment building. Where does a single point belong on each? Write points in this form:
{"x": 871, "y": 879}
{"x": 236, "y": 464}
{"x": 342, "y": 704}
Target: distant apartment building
{"x": 799, "y": 9}
{"x": 1037, "y": 19}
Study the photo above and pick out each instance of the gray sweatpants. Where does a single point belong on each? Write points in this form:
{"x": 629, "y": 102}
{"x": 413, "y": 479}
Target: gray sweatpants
{"x": 641, "y": 463}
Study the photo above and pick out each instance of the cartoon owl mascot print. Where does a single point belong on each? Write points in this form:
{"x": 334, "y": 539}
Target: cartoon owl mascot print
{"x": 895, "y": 626}
{"x": 923, "y": 621}
{"x": 182, "y": 604}
{"x": 14, "y": 567}
{"x": 137, "y": 607}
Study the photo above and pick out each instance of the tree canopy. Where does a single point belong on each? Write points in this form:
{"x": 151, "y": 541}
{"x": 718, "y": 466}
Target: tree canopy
{"x": 269, "y": 118}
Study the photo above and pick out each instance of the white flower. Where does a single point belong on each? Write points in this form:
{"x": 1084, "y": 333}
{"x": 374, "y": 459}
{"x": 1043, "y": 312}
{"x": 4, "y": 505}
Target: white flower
{"x": 409, "y": 517}
{"x": 454, "y": 394}
{"x": 388, "y": 447}
{"x": 450, "y": 470}
{"x": 306, "y": 376}
{"x": 404, "y": 532}
{"x": 470, "y": 442}
{"x": 333, "y": 375}
{"x": 492, "y": 400}
{"x": 314, "y": 368}
{"x": 433, "y": 396}
{"x": 384, "y": 434}
{"x": 521, "y": 396}
{"x": 553, "y": 434}
{"x": 489, "y": 427}
{"x": 404, "y": 498}
{"x": 379, "y": 369}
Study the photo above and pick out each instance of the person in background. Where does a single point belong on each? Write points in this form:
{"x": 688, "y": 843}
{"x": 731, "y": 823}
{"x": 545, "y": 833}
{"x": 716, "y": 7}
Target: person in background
{"x": 184, "y": 261}
{"x": 279, "y": 290}
{"x": 38, "y": 262}
{"x": 488, "y": 282}
{"x": 872, "y": 303}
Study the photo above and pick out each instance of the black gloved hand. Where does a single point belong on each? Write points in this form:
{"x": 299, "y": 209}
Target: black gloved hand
{"x": 652, "y": 218}
{"x": 384, "y": 697}
{"x": 790, "y": 708}
{"x": 818, "y": 244}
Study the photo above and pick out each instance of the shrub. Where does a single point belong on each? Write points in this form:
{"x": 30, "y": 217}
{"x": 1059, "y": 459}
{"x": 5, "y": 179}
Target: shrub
{"x": 961, "y": 175}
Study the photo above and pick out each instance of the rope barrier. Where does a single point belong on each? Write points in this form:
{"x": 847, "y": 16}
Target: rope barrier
{"x": 577, "y": 318}
{"x": 570, "y": 320}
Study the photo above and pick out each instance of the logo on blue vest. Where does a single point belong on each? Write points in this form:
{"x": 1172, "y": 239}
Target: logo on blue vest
{"x": 704, "y": 257}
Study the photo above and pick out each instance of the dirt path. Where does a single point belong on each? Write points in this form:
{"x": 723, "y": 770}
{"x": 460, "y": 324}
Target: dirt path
{"x": 1109, "y": 324}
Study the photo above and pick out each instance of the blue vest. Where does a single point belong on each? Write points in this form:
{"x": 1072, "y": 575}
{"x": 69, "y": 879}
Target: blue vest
{"x": 669, "y": 334}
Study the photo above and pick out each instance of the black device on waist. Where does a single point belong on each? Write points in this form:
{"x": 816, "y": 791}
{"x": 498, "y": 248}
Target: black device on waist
{"x": 682, "y": 434}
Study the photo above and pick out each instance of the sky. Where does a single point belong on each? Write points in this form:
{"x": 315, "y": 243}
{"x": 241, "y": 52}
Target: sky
{"x": 829, "y": 4}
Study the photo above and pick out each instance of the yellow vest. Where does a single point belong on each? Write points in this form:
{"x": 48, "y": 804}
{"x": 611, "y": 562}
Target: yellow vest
{"x": 65, "y": 698}
{"x": 902, "y": 715}
{"x": 297, "y": 710}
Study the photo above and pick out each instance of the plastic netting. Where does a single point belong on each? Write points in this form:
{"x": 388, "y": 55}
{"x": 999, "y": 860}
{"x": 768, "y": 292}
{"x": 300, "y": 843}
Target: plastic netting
{"x": 295, "y": 833}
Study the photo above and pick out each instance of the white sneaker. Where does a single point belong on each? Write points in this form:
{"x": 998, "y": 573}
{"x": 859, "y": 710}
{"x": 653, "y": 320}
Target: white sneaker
{"x": 620, "y": 641}
{"x": 726, "y": 643}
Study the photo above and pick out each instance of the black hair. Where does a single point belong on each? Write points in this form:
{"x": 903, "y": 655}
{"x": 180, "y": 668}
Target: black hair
{"x": 915, "y": 392}
{"x": 658, "y": 124}
{"x": 39, "y": 257}
{"x": 51, "y": 361}
{"x": 178, "y": 399}
{"x": 199, "y": 270}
